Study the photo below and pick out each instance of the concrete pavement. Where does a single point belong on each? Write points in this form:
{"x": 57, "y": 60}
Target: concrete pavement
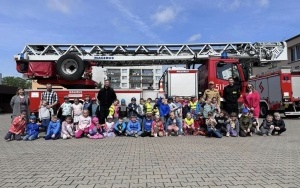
{"x": 251, "y": 162}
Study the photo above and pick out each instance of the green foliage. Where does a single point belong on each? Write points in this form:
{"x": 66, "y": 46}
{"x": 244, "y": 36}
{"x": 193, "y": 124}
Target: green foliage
{"x": 16, "y": 82}
{"x": 100, "y": 85}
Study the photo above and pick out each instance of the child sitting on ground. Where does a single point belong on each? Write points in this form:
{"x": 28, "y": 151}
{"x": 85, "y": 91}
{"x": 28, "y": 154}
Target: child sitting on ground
{"x": 233, "y": 126}
{"x": 245, "y": 123}
{"x": 133, "y": 127}
{"x": 279, "y": 125}
{"x": 211, "y": 129}
{"x": 147, "y": 124}
{"x": 173, "y": 125}
{"x": 108, "y": 127}
{"x": 200, "y": 127}
{"x": 267, "y": 126}
{"x": 120, "y": 127}
{"x": 222, "y": 121}
{"x": 53, "y": 131}
{"x": 67, "y": 128}
{"x": 188, "y": 125}
{"x": 95, "y": 129}
{"x": 17, "y": 127}
{"x": 158, "y": 127}
{"x": 83, "y": 124}
{"x": 32, "y": 129}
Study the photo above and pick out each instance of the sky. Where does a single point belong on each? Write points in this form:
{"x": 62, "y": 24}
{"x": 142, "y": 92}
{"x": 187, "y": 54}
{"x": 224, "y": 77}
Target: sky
{"x": 141, "y": 22}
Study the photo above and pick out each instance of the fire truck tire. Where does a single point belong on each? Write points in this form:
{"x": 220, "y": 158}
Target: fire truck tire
{"x": 263, "y": 110}
{"x": 70, "y": 67}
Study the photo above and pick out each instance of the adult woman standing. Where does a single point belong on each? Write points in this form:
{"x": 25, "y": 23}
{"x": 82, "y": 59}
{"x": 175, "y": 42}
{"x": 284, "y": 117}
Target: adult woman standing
{"x": 251, "y": 102}
{"x": 19, "y": 102}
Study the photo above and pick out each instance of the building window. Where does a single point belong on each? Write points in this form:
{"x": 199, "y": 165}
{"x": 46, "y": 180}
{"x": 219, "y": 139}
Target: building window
{"x": 124, "y": 77}
{"x": 157, "y": 78}
{"x": 124, "y": 84}
{"x": 158, "y": 71}
{"x": 124, "y": 71}
{"x": 295, "y": 53}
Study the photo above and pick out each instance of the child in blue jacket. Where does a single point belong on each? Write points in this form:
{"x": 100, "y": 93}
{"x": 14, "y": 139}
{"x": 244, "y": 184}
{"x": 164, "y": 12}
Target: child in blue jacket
{"x": 120, "y": 127}
{"x": 32, "y": 129}
{"x": 133, "y": 127}
{"x": 147, "y": 124}
{"x": 53, "y": 131}
{"x": 164, "y": 109}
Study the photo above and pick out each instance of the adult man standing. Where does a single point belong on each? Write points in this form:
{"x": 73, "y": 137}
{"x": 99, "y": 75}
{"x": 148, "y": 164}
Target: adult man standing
{"x": 106, "y": 97}
{"x": 231, "y": 94}
{"x": 211, "y": 92}
{"x": 51, "y": 97}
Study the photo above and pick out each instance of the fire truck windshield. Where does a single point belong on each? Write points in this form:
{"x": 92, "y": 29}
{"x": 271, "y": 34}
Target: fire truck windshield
{"x": 227, "y": 70}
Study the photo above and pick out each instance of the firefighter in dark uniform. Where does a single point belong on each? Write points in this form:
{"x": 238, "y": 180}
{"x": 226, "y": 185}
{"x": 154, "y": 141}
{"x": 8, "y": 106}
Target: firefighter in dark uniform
{"x": 231, "y": 94}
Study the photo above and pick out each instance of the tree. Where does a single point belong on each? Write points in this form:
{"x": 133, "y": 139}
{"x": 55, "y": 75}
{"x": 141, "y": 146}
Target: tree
{"x": 99, "y": 85}
{"x": 16, "y": 82}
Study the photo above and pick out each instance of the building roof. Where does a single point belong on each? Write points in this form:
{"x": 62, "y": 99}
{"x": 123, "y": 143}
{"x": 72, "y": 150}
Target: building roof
{"x": 293, "y": 38}
{"x": 4, "y": 89}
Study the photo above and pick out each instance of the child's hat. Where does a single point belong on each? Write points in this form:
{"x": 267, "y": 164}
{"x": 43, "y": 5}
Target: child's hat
{"x": 109, "y": 117}
{"x": 245, "y": 110}
{"x": 32, "y": 117}
{"x": 123, "y": 101}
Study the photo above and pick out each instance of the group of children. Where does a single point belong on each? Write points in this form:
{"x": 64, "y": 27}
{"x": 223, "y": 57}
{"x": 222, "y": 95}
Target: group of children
{"x": 165, "y": 118}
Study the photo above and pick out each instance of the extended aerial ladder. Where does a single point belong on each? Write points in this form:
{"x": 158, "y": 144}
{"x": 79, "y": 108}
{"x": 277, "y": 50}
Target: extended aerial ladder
{"x": 73, "y": 62}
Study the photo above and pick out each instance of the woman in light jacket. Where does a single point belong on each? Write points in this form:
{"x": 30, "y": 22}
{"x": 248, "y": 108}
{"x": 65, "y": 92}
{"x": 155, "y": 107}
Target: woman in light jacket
{"x": 19, "y": 102}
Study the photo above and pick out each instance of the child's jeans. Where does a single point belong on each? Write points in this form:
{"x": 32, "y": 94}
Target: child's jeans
{"x": 213, "y": 132}
{"x": 49, "y": 136}
{"x": 231, "y": 131}
{"x": 45, "y": 123}
{"x": 133, "y": 133}
{"x": 31, "y": 137}
{"x": 10, "y": 134}
{"x": 79, "y": 133}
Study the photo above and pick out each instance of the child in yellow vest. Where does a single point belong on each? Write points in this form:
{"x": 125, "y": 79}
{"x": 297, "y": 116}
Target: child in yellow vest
{"x": 188, "y": 125}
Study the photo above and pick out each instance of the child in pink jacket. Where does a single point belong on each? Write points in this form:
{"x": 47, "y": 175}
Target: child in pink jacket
{"x": 83, "y": 124}
{"x": 95, "y": 129}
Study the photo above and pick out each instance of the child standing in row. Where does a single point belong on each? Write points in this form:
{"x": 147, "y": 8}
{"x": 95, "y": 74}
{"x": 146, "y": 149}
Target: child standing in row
{"x": 67, "y": 128}
{"x": 32, "y": 129}
{"x": 53, "y": 131}
{"x": 77, "y": 109}
{"x": 17, "y": 127}
{"x": 66, "y": 108}
{"x": 45, "y": 115}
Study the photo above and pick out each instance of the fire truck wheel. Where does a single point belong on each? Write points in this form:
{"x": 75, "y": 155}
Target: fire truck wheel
{"x": 70, "y": 67}
{"x": 263, "y": 110}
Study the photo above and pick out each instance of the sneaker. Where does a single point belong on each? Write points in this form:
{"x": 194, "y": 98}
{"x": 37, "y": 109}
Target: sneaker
{"x": 250, "y": 134}
{"x": 268, "y": 134}
{"x": 155, "y": 134}
{"x": 166, "y": 134}
{"x": 227, "y": 134}
{"x": 136, "y": 135}
{"x": 7, "y": 140}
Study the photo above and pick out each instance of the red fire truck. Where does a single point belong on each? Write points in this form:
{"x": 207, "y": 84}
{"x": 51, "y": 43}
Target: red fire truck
{"x": 71, "y": 65}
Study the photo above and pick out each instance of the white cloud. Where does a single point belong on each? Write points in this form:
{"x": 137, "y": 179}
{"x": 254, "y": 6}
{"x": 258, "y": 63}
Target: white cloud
{"x": 63, "y": 6}
{"x": 263, "y": 3}
{"x": 194, "y": 37}
{"x": 229, "y": 5}
{"x": 166, "y": 15}
{"x": 140, "y": 25}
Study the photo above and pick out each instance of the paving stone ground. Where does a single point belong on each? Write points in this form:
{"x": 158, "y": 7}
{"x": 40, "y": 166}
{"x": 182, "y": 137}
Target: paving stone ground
{"x": 252, "y": 162}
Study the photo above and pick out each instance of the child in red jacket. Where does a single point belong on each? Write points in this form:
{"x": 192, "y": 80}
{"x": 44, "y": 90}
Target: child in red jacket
{"x": 200, "y": 128}
{"x": 17, "y": 127}
{"x": 158, "y": 127}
